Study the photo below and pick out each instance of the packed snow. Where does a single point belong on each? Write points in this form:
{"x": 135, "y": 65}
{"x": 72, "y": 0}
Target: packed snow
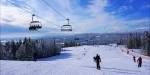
{"x": 79, "y": 61}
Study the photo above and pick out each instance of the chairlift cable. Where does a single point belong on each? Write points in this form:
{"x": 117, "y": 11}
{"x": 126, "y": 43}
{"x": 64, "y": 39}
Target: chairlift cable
{"x": 68, "y": 29}
{"x": 32, "y": 13}
{"x": 49, "y": 5}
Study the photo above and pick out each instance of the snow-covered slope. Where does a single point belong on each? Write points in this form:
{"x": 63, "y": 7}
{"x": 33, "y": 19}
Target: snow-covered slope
{"x": 78, "y": 61}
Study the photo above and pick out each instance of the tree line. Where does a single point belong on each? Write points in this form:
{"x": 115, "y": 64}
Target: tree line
{"x": 137, "y": 41}
{"x": 71, "y": 44}
{"x": 25, "y": 49}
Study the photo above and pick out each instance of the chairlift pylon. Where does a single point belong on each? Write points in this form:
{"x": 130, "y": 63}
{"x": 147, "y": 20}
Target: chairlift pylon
{"x": 66, "y": 27}
{"x": 35, "y": 25}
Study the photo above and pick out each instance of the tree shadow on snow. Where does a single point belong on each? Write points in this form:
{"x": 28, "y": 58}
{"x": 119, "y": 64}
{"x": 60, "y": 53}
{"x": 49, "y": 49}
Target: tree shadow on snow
{"x": 65, "y": 50}
{"x": 57, "y": 57}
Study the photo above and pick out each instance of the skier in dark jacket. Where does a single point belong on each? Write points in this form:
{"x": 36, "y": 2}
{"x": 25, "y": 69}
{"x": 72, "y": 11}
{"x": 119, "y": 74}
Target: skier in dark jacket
{"x": 35, "y": 56}
{"x": 139, "y": 60}
{"x": 127, "y": 51}
{"x": 97, "y": 60}
{"x": 134, "y": 58}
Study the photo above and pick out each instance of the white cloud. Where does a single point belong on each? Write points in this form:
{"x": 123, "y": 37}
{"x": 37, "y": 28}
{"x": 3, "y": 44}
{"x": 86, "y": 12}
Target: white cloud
{"x": 147, "y": 6}
{"x": 96, "y": 17}
{"x": 14, "y": 15}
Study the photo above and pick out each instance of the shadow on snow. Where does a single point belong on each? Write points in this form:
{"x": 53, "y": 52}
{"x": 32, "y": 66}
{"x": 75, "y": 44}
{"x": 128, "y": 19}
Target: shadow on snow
{"x": 57, "y": 57}
{"x": 117, "y": 70}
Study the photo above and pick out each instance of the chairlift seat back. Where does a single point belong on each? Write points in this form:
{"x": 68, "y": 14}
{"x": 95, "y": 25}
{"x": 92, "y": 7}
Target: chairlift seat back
{"x": 66, "y": 28}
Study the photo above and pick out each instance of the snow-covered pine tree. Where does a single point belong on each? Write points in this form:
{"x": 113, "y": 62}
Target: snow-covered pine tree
{"x": 146, "y": 42}
{"x": 20, "y": 53}
{"x": 130, "y": 41}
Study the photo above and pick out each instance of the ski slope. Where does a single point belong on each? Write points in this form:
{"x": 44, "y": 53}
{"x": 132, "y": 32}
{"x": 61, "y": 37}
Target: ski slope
{"x": 78, "y": 61}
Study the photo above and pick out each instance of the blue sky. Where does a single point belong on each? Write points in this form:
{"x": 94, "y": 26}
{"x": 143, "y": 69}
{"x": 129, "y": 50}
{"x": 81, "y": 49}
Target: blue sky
{"x": 86, "y": 16}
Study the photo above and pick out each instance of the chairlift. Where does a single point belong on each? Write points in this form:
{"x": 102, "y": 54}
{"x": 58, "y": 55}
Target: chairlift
{"x": 66, "y": 27}
{"x": 35, "y": 25}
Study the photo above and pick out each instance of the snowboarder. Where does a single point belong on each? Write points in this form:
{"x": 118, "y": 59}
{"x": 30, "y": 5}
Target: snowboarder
{"x": 134, "y": 58}
{"x": 35, "y": 56}
{"x": 139, "y": 60}
{"x": 127, "y": 51}
{"x": 97, "y": 60}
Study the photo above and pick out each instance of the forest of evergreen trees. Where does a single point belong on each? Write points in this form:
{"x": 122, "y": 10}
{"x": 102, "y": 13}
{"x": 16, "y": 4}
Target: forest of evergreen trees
{"x": 71, "y": 44}
{"x": 137, "y": 41}
{"x": 25, "y": 50}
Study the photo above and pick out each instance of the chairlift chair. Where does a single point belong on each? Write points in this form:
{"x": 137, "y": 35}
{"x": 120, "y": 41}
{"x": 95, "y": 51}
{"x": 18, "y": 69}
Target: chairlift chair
{"x": 35, "y": 25}
{"x": 66, "y": 27}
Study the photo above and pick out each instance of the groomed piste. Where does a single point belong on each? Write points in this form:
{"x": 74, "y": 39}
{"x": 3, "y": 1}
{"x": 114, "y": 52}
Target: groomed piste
{"x": 78, "y": 61}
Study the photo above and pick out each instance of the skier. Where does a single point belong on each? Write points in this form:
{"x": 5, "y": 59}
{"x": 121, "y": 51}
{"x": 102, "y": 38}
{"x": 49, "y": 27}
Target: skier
{"x": 97, "y": 60}
{"x": 134, "y": 58}
{"x": 139, "y": 60}
{"x": 127, "y": 51}
{"x": 35, "y": 56}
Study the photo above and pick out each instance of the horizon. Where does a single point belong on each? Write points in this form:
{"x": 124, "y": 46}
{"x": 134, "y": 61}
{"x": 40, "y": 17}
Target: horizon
{"x": 35, "y": 35}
